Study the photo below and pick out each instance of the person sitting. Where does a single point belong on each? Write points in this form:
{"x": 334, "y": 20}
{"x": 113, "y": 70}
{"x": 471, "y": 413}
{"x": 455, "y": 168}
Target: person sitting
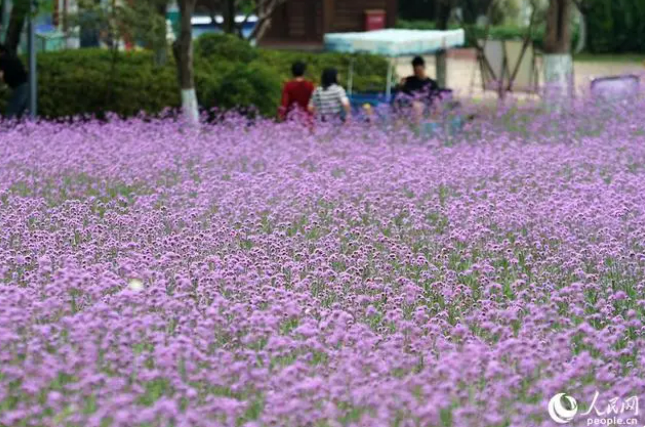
{"x": 419, "y": 82}
{"x": 296, "y": 92}
{"x": 419, "y": 91}
{"x": 330, "y": 101}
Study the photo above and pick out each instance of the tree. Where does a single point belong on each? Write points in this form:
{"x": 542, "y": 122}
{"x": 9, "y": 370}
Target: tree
{"x": 183, "y": 52}
{"x": 17, "y": 18}
{"x": 471, "y": 10}
{"x": 229, "y": 13}
{"x": 136, "y": 21}
{"x": 141, "y": 21}
{"x": 264, "y": 11}
{"x": 16, "y": 24}
{"x": 558, "y": 63}
{"x": 557, "y": 39}
{"x": 145, "y": 21}
{"x": 443, "y": 9}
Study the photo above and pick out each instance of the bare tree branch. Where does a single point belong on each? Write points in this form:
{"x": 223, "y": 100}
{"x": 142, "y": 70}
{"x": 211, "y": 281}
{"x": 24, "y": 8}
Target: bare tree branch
{"x": 525, "y": 45}
{"x": 265, "y": 9}
{"x": 473, "y": 41}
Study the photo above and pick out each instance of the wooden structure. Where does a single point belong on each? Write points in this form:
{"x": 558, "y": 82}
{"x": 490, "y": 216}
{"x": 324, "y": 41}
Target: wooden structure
{"x": 299, "y": 23}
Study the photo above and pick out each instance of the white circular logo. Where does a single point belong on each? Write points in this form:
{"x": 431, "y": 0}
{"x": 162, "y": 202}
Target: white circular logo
{"x": 558, "y": 412}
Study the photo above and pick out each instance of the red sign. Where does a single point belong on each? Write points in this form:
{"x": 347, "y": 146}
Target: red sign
{"x": 374, "y": 20}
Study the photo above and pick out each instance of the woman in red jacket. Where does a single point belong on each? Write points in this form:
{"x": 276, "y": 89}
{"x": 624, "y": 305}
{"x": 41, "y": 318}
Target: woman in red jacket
{"x": 296, "y": 93}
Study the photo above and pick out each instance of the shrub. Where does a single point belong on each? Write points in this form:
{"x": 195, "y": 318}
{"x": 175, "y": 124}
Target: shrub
{"x": 370, "y": 71}
{"x": 238, "y": 85}
{"x": 229, "y": 73}
{"x": 225, "y": 46}
{"x": 83, "y": 82}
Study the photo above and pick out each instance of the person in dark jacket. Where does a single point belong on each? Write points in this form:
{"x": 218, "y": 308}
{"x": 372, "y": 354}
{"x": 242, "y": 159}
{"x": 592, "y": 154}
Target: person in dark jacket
{"x": 419, "y": 84}
{"x": 14, "y": 75}
{"x": 419, "y": 92}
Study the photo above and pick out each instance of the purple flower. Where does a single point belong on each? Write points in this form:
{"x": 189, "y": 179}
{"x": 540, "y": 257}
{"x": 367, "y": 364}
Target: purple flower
{"x": 272, "y": 275}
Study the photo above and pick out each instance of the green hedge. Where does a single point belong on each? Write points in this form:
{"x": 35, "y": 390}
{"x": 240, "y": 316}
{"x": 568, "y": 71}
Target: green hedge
{"x": 229, "y": 73}
{"x": 370, "y": 71}
{"x": 225, "y": 46}
{"x": 84, "y": 82}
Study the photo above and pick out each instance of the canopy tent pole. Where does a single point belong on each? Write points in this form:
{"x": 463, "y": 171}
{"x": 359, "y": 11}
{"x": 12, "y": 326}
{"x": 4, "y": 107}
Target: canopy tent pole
{"x": 441, "y": 65}
{"x": 388, "y": 87}
{"x": 350, "y": 78}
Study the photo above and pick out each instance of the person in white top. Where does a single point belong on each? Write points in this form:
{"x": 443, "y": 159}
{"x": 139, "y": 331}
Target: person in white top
{"x": 329, "y": 101}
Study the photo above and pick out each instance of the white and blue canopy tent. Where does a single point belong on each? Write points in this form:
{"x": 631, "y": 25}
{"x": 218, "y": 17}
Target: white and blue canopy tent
{"x": 393, "y": 43}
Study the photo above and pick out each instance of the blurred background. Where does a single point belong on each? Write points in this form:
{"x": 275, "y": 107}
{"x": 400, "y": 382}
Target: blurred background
{"x": 118, "y": 53}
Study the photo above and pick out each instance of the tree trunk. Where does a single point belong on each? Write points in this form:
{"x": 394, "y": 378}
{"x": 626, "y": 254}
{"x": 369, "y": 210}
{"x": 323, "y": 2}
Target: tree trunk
{"x": 183, "y": 50}
{"x": 558, "y": 29}
{"x": 16, "y": 24}
{"x": 558, "y": 63}
{"x": 229, "y": 16}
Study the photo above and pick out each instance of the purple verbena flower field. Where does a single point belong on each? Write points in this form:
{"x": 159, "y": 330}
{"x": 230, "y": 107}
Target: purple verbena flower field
{"x": 154, "y": 275}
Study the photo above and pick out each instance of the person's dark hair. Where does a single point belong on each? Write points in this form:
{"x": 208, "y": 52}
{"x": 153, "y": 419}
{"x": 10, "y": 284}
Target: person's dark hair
{"x": 418, "y": 61}
{"x": 298, "y": 69}
{"x": 329, "y": 77}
